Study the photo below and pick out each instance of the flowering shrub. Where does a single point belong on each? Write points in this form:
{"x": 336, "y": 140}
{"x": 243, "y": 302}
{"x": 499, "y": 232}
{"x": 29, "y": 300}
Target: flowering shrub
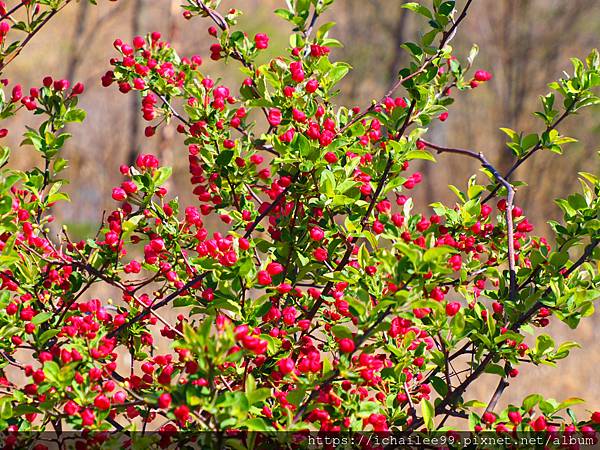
{"x": 320, "y": 301}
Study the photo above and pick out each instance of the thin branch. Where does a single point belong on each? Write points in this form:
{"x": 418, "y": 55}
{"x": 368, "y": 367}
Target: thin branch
{"x": 153, "y": 307}
{"x": 12, "y": 361}
{"x": 382, "y": 181}
{"x": 537, "y": 305}
{"x": 502, "y": 385}
{"x": 480, "y": 368}
{"x": 124, "y": 289}
{"x": 172, "y": 109}
{"x": 270, "y": 208}
{"x": 509, "y": 206}
{"x": 446, "y": 362}
{"x": 17, "y": 51}
{"x": 411, "y": 406}
{"x": 447, "y": 37}
{"x": 12, "y": 10}
{"x": 529, "y": 154}
{"x": 217, "y": 18}
{"x": 313, "y": 21}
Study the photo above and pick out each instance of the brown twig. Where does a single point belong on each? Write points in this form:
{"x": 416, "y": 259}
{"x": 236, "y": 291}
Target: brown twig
{"x": 11, "y": 11}
{"x": 172, "y": 109}
{"x": 452, "y": 398}
{"x": 502, "y": 385}
{"x": 17, "y": 51}
{"x": 446, "y": 37}
{"x": 382, "y": 181}
{"x": 509, "y": 206}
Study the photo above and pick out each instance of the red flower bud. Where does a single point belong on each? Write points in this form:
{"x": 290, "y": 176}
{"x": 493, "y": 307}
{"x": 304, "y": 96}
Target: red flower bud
{"x": 286, "y": 365}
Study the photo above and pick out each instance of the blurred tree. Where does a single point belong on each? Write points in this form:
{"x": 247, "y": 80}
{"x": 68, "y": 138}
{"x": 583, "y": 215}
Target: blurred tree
{"x": 75, "y": 49}
{"x": 534, "y": 50}
{"x": 522, "y": 54}
{"x": 167, "y": 134}
{"x": 137, "y": 12}
{"x": 527, "y": 53}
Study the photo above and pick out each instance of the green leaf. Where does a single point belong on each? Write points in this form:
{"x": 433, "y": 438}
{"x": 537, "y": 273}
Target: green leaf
{"x": 58, "y": 196}
{"x": 224, "y": 158}
{"x": 475, "y": 404}
{"x": 302, "y": 7}
{"x": 52, "y": 372}
{"x": 250, "y": 384}
{"x": 495, "y": 369}
{"x": 256, "y": 424}
{"x": 435, "y": 253}
{"x": 439, "y": 385}
{"x": 340, "y": 331}
{"x": 368, "y": 408}
{"x": 6, "y": 409}
{"x": 458, "y": 193}
{"x": 577, "y": 201}
{"x": 323, "y": 29}
{"x": 531, "y": 400}
{"x": 284, "y": 13}
{"x": 75, "y": 115}
{"x": 543, "y": 343}
{"x": 563, "y": 349}
{"x": 59, "y": 164}
{"x": 337, "y": 72}
{"x": 419, "y": 9}
{"x": 301, "y": 144}
{"x": 327, "y": 183}
{"x": 413, "y": 49}
{"x": 558, "y": 259}
{"x": 447, "y": 7}
{"x": 473, "y": 54}
{"x": 428, "y": 412}
{"x": 4, "y": 155}
{"x": 569, "y": 402}
{"x": 548, "y": 406}
{"x": 296, "y": 396}
{"x": 162, "y": 175}
{"x": 46, "y": 336}
{"x": 41, "y": 317}
{"x": 419, "y": 154}
{"x": 258, "y": 396}
{"x": 457, "y": 324}
{"x": 130, "y": 224}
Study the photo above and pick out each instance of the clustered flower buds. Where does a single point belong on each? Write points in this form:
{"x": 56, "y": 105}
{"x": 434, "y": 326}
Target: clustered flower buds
{"x": 307, "y": 291}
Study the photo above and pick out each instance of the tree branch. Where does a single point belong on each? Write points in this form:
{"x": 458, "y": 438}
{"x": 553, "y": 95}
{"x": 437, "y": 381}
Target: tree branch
{"x": 480, "y": 368}
{"x": 537, "y": 305}
{"x": 502, "y": 385}
{"x": 346, "y": 258}
{"x": 446, "y": 37}
{"x": 529, "y": 154}
{"x": 17, "y": 51}
{"x": 509, "y": 206}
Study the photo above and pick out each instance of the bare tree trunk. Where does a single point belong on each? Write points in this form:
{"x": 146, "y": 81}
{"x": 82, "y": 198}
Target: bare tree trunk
{"x": 73, "y": 62}
{"x": 399, "y": 38}
{"x": 167, "y": 133}
{"x": 75, "y": 53}
{"x": 135, "y": 104}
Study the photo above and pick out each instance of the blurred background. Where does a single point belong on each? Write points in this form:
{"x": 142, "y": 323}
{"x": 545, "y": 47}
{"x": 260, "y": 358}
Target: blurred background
{"x": 524, "y": 43}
